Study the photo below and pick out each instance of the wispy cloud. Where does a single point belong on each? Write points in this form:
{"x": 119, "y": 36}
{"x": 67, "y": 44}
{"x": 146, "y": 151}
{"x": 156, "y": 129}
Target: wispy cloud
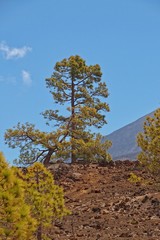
{"x": 8, "y": 80}
{"x": 26, "y": 77}
{"x": 12, "y": 80}
{"x": 10, "y": 52}
{"x": 1, "y": 79}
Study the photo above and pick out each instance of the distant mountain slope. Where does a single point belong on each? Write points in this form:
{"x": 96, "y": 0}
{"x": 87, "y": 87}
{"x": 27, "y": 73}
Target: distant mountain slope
{"x": 124, "y": 144}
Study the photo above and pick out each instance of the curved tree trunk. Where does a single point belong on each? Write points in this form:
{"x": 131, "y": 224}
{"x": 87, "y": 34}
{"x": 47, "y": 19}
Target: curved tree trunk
{"x": 48, "y": 157}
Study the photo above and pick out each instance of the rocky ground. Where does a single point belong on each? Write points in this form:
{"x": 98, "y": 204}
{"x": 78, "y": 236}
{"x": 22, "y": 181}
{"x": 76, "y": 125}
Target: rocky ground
{"x": 105, "y": 205}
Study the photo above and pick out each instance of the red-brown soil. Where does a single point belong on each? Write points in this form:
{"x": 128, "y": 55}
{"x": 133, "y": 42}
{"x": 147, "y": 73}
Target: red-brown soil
{"x": 105, "y": 205}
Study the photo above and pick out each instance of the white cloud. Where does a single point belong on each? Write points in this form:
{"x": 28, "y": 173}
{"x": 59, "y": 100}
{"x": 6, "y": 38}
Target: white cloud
{"x": 26, "y": 77}
{"x": 10, "y": 53}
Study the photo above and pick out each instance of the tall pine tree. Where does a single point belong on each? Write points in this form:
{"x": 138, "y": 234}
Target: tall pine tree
{"x": 80, "y": 100}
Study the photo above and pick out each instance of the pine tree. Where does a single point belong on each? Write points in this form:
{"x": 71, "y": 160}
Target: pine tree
{"x": 16, "y": 222}
{"x": 44, "y": 197}
{"x": 79, "y": 94}
{"x": 149, "y": 141}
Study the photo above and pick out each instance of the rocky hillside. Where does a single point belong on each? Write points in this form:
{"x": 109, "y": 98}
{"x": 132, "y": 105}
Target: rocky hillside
{"x": 124, "y": 144}
{"x": 105, "y": 205}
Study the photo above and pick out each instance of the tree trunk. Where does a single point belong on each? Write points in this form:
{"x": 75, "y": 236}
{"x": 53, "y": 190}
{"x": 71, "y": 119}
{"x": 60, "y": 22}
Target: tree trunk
{"x": 73, "y": 157}
{"x": 48, "y": 157}
{"x": 39, "y": 232}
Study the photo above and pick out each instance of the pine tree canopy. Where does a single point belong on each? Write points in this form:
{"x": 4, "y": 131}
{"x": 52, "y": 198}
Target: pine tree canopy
{"x": 15, "y": 215}
{"x": 149, "y": 141}
{"x": 44, "y": 197}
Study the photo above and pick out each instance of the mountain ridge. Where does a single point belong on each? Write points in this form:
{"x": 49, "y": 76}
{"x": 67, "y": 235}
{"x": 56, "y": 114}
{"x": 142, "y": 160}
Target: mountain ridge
{"x": 124, "y": 144}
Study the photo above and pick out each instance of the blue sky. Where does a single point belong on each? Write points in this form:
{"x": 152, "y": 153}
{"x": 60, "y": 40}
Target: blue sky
{"x": 123, "y": 36}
